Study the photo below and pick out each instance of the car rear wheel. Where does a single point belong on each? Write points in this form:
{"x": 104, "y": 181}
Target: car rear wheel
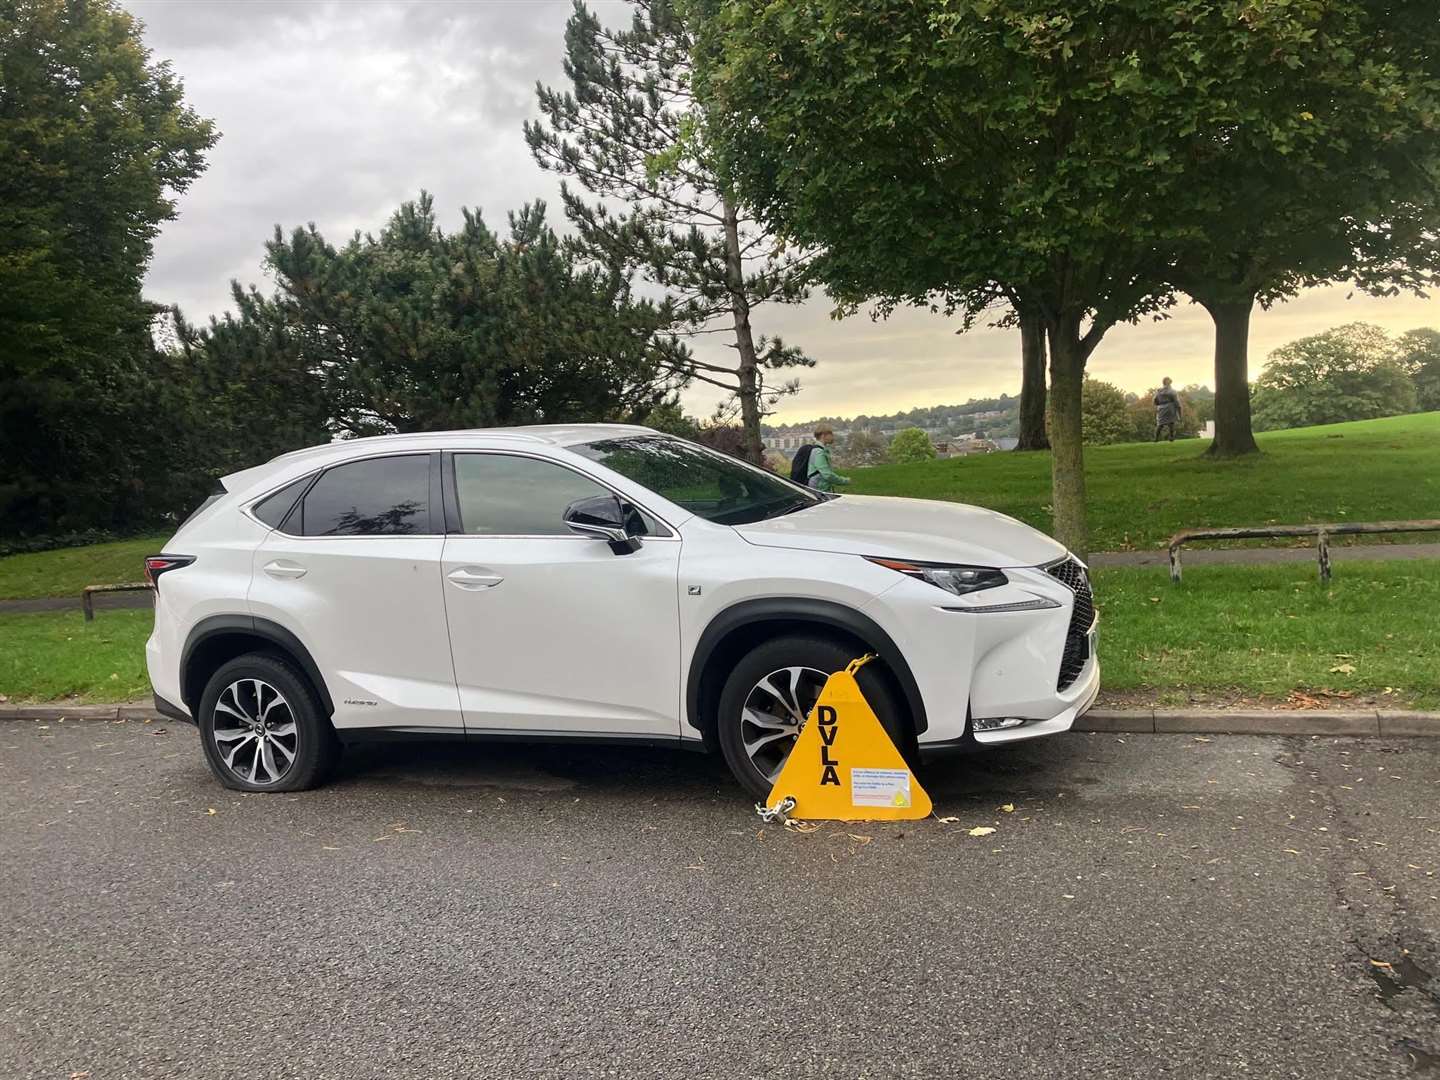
{"x": 262, "y": 728}
{"x": 771, "y": 691}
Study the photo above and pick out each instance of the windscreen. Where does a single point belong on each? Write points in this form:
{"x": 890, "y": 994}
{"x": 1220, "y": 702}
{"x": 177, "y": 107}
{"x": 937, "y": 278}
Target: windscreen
{"x": 711, "y": 485}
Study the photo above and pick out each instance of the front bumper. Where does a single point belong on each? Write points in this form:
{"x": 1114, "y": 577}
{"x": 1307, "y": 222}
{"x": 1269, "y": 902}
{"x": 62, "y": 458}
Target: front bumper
{"x": 1018, "y": 655}
{"x": 1088, "y": 686}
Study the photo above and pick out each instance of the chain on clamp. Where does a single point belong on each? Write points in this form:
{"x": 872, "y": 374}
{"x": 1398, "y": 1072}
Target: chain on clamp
{"x": 779, "y": 812}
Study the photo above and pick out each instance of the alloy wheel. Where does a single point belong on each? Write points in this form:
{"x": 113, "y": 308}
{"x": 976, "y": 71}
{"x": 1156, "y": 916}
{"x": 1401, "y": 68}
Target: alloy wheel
{"x": 773, "y": 713}
{"x": 255, "y": 732}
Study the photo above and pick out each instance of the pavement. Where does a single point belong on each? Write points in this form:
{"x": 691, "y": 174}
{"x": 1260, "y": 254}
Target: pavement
{"x": 1147, "y": 906}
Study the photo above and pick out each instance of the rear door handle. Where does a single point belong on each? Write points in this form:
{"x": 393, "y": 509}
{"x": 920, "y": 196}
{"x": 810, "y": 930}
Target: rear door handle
{"x": 473, "y": 578}
{"x": 284, "y": 568}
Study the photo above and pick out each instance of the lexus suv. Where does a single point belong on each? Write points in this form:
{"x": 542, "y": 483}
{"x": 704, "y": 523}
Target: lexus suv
{"x": 595, "y": 582}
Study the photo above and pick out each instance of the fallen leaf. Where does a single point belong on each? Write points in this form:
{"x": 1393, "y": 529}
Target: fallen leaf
{"x": 981, "y": 830}
{"x": 1008, "y": 808}
{"x": 1381, "y": 964}
{"x": 1292, "y": 851}
{"x": 212, "y": 811}
{"x": 947, "y": 820}
{"x": 862, "y": 839}
{"x": 802, "y": 826}
{"x": 1343, "y": 669}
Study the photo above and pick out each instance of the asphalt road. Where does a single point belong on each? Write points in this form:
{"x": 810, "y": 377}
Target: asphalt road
{"x": 1154, "y": 906}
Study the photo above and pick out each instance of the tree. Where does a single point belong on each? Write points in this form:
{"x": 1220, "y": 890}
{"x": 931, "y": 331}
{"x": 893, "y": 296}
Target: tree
{"x": 628, "y": 130}
{"x": 862, "y": 447}
{"x": 237, "y": 391}
{"x": 96, "y": 141}
{"x": 1032, "y": 381}
{"x": 1352, "y": 372}
{"x": 417, "y": 329}
{"x": 1324, "y": 169}
{"x": 962, "y": 147}
{"x": 670, "y": 418}
{"x": 969, "y": 149}
{"x": 1420, "y": 356}
{"x": 1106, "y": 413}
{"x": 911, "y": 445}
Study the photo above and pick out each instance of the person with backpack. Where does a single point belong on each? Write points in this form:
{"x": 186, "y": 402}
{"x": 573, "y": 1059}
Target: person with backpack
{"x": 812, "y": 467}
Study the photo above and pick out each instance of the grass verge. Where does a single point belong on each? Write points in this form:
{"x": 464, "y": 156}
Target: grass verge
{"x": 1140, "y": 494}
{"x": 65, "y": 571}
{"x": 1372, "y": 634}
{"x": 58, "y": 656}
{"x": 1224, "y": 633}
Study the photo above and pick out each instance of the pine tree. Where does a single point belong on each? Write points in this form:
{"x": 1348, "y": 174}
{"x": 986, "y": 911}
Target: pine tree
{"x": 628, "y": 130}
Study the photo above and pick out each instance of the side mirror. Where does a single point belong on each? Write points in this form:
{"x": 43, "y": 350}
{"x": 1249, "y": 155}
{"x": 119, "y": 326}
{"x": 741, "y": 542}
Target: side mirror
{"x": 605, "y": 518}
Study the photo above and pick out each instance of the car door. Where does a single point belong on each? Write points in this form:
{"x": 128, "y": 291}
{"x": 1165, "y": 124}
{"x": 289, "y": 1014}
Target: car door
{"x": 353, "y": 570}
{"x": 553, "y": 632}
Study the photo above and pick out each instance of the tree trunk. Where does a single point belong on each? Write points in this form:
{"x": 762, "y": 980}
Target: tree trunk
{"x": 747, "y": 374}
{"x": 1032, "y": 382}
{"x": 1067, "y": 467}
{"x": 1233, "y": 433}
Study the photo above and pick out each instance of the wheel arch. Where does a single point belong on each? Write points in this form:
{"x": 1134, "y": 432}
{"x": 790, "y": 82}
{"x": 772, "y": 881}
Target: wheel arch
{"x": 217, "y": 639}
{"x": 742, "y": 626}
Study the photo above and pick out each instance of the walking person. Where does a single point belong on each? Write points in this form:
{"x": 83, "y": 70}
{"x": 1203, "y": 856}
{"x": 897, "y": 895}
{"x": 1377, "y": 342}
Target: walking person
{"x": 820, "y": 475}
{"x": 1167, "y": 410}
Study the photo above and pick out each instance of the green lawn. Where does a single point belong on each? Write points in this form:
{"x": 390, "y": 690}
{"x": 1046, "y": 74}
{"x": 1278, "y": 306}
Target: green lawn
{"x": 1140, "y": 494}
{"x": 1271, "y": 630}
{"x": 50, "y": 656}
{"x": 1226, "y": 631}
{"x": 65, "y": 571}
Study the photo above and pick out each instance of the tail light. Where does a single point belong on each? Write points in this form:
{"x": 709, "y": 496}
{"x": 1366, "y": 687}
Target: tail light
{"x": 155, "y": 565}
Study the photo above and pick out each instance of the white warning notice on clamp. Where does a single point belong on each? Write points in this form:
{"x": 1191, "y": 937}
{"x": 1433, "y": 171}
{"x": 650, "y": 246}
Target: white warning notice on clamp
{"x": 879, "y": 787}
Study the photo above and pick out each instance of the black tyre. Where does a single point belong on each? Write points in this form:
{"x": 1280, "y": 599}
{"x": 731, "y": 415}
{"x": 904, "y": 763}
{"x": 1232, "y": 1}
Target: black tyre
{"x": 263, "y": 729}
{"x": 770, "y": 692}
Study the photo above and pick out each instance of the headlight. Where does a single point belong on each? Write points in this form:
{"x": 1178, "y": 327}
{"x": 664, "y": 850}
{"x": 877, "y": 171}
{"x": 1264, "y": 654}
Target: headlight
{"x": 953, "y": 579}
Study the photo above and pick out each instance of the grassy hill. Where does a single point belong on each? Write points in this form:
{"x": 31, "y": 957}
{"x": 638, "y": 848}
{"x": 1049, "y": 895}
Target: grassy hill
{"x": 66, "y": 571}
{"x": 1141, "y": 493}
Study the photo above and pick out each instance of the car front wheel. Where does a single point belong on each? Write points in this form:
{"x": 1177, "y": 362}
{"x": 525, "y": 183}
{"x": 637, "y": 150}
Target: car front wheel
{"x": 262, "y": 728}
{"x": 771, "y": 691}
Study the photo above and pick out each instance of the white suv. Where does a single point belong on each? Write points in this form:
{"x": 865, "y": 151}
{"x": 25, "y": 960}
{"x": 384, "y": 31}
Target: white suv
{"x": 595, "y": 582}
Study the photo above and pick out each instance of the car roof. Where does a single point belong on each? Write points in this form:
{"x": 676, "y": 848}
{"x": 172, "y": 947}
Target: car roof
{"x": 298, "y": 462}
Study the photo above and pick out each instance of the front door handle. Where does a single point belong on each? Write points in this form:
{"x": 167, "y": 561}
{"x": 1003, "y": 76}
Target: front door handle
{"x": 284, "y": 568}
{"x": 472, "y": 578}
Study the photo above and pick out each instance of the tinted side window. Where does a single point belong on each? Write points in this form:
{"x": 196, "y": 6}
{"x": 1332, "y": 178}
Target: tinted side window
{"x": 501, "y": 495}
{"x": 272, "y": 509}
{"x": 380, "y": 497}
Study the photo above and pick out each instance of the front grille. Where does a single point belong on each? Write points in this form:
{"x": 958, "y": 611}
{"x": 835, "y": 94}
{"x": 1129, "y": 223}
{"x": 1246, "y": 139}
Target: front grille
{"x": 1077, "y": 636}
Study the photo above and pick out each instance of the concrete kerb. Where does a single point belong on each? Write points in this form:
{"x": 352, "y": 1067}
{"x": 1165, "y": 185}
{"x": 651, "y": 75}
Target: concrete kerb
{"x": 1358, "y": 722}
{"x": 78, "y": 712}
{"x": 1200, "y": 721}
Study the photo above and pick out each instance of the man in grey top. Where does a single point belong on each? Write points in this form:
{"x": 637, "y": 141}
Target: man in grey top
{"x": 1167, "y": 411}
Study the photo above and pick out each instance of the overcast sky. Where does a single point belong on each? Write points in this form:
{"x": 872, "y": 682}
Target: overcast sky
{"x": 336, "y": 112}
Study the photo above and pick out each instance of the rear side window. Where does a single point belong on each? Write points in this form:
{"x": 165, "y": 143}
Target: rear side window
{"x": 380, "y": 497}
{"x": 272, "y": 510}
